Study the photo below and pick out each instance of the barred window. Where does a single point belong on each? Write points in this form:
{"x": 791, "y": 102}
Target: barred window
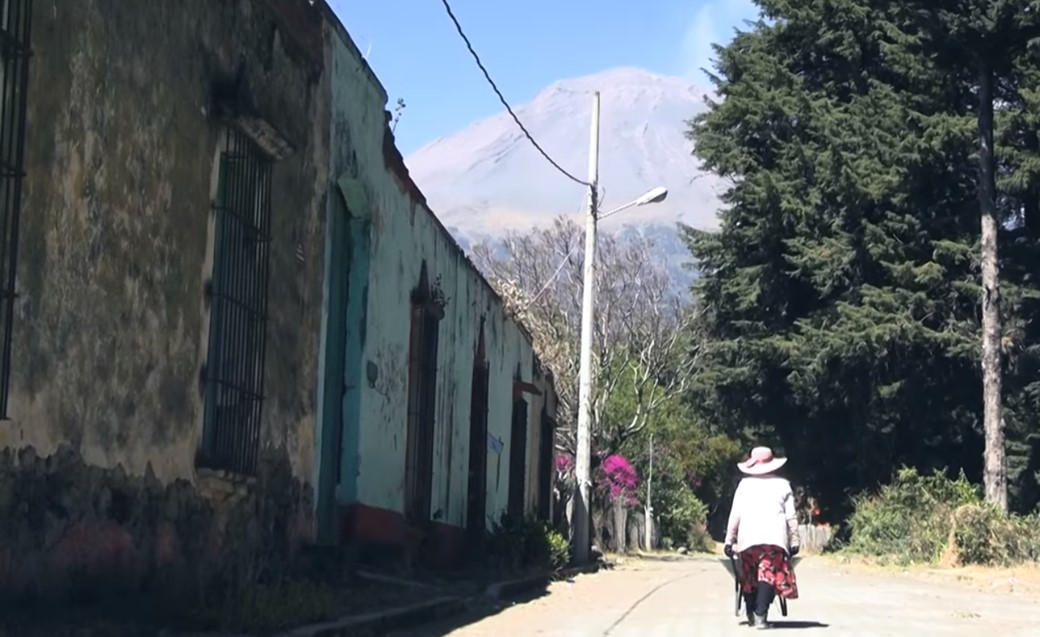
{"x": 518, "y": 459}
{"x": 422, "y": 400}
{"x": 238, "y": 308}
{"x": 15, "y": 25}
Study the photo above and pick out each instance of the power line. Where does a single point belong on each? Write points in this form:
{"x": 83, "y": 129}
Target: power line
{"x": 501, "y": 98}
{"x": 555, "y": 274}
{"x": 566, "y": 259}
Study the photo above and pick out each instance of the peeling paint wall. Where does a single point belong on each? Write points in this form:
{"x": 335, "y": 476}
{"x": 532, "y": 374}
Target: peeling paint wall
{"x": 109, "y": 331}
{"x": 110, "y": 325}
{"x": 401, "y": 233}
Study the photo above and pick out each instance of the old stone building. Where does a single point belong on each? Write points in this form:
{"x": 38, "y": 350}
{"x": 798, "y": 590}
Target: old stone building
{"x": 230, "y": 326}
{"x": 168, "y": 269}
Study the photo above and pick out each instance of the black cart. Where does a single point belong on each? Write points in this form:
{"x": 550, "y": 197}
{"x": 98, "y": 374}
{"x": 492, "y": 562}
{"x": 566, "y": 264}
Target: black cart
{"x": 732, "y": 565}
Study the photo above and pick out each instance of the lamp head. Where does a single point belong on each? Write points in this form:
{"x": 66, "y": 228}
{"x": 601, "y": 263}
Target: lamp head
{"x": 657, "y": 195}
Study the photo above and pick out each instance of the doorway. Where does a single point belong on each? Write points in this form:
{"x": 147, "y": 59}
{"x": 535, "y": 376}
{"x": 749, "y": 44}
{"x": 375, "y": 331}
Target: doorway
{"x": 518, "y": 458}
{"x": 476, "y": 490}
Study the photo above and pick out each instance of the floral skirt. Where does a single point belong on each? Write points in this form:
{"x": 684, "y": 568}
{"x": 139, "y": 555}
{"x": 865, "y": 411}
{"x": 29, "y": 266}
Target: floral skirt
{"x": 768, "y": 564}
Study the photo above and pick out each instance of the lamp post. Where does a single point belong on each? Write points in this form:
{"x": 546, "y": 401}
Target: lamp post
{"x": 582, "y": 461}
{"x": 649, "y": 500}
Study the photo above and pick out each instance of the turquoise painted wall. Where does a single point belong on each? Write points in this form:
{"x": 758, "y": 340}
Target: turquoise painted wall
{"x": 331, "y": 364}
{"x": 358, "y": 233}
{"x": 401, "y": 234}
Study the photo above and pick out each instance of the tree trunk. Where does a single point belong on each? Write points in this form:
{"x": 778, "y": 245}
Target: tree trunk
{"x": 600, "y": 529}
{"x": 995, "y": 466}
{"x": 620, "y": 524}
{"x": 636, "y": 524}
{"x": 569, "y": 516}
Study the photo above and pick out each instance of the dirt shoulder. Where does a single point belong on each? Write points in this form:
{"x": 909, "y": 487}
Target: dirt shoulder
{"x": 1021, "y": 580}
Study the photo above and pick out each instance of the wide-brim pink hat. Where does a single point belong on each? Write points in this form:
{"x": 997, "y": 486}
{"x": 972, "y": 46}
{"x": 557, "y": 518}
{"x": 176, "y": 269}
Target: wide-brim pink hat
{"x": 760, "y": 462}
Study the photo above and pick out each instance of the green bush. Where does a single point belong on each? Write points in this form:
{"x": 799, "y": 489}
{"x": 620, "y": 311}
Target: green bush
{"x": 984, "y": 535}
{"x": 932, "y": 518}
{"x": 685, "y": 521}
{"x": 559, "y": 549}
{"x": 517, "y": 543}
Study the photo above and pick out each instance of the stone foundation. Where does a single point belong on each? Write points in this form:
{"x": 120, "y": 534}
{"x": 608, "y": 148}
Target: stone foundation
{"x": 73, "y": 532}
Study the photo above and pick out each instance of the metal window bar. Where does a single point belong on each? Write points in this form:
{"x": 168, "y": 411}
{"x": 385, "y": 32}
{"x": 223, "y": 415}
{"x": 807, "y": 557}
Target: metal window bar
{"x": 427, "y": 415}
{"x": 15, "y": 29}
{"x": 238, "y": 315}
{"x": 414, "y": 392}
{"x": 422, "y": 375}
{"x": 422, "y": 392}
{"x": 518, "y": 460}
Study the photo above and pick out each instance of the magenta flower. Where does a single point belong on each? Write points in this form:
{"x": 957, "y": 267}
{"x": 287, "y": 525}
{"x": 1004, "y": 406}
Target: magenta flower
{"x": 618, "y": 479}
{"x": 564, "y": 464}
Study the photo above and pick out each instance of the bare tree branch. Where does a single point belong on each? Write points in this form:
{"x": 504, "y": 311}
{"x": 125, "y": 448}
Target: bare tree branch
{"x": 641, "y": 331}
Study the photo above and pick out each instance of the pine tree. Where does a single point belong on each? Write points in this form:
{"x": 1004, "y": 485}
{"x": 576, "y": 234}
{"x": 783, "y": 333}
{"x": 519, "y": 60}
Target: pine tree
{"x": 839, "y": 294}
{"x": 848, "y": 291}
{"x": 988, "y": 37}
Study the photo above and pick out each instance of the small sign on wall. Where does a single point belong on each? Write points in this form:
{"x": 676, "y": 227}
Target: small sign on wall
{"x": 495, "y": 444}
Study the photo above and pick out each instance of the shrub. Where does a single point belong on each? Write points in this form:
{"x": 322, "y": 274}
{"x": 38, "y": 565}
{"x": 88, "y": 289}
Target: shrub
{"x": 559, "y": 549}
{"x": 685, "y": 521}
{"x": 981, "y": 534}
{"x": 909, "y": 518}
{"x": 514, "y": 543}
{"x": 932, "y": 518}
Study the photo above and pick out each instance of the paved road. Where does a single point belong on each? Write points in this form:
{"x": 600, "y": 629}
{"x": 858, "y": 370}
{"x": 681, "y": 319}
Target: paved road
{"x": 651, "y": 598}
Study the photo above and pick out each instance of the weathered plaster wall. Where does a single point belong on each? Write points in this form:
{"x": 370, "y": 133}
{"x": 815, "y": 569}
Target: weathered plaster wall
{"x": 109, "y": 329}
{"x": 401, "y": 234}
{"x": 110, "y": 325}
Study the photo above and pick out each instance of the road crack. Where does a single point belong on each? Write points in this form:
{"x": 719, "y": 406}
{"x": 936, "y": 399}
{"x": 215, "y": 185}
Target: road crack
{"x": 642, "y": 599}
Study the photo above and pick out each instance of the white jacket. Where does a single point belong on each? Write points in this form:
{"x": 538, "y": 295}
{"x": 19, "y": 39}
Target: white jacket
{"x": 763, "y": 513}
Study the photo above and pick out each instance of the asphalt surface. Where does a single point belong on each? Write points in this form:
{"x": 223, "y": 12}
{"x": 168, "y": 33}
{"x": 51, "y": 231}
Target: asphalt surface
{"x": 684, "y": 597}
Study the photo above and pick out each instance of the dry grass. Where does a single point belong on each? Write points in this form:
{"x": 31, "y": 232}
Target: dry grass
{"x": 1023, "y": 579}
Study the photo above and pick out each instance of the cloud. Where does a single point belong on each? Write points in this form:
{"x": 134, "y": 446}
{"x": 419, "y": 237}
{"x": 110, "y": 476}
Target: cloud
{"x": 713, "y": 23}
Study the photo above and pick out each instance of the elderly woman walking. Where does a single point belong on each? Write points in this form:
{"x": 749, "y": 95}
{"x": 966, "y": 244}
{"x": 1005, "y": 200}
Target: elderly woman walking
{"x": 763, "y": 526}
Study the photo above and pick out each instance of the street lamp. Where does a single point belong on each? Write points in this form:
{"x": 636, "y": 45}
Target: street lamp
{"x": 582, "y": 461}
{"x": 657, "y": 195}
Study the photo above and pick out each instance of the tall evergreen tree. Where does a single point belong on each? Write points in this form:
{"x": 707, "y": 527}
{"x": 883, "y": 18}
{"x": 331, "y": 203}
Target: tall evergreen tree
{"x": 988, "y": 37}
{"x": 840, "y": 294}
{"x": 991, "y": 37}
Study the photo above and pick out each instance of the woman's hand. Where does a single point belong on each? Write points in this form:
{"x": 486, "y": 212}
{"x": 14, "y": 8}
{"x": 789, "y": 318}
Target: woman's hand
{"x": 728, "y": 550}
{"x": 794, "y": 550}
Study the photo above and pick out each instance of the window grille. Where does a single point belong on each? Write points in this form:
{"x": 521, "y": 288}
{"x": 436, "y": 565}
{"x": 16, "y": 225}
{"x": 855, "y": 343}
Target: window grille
{"x": 476, "y": 489}
{"x": 422, "y": 401}
{"x": 238, "y": 308}
{"x": 15, "y": 26}
{"x": 518, "y": 459}
{"x": 546, "y": 455}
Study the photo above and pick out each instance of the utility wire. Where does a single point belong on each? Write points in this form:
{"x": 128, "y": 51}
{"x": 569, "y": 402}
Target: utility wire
{"x": 487, "y": 76}
{"x": 566, "y": 259}
{"x": 555, "y": 274}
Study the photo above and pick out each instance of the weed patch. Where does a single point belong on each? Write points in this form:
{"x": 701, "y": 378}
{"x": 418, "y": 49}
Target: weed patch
{"x": 516, "y": 543}
{"x": 938, "y": 520}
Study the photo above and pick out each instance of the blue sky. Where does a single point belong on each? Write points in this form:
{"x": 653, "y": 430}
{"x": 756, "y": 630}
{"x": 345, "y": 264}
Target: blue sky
{"x": 526, "y": 45}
